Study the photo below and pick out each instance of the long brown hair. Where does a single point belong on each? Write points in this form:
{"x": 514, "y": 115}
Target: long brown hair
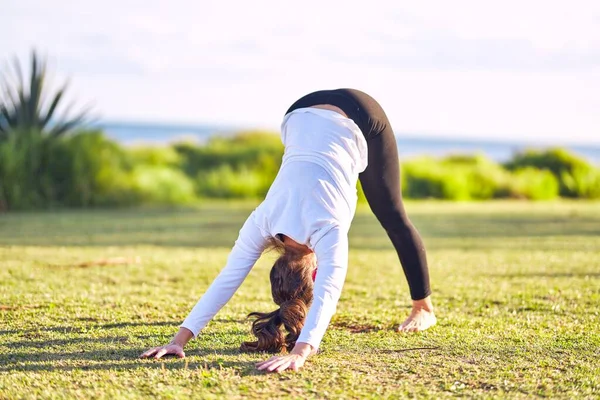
{"x": 292, "y": 290}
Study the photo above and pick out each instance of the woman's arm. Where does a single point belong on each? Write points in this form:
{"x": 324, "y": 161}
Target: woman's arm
{"x": 247, "y": 249}
{"x": 332, "y": 261}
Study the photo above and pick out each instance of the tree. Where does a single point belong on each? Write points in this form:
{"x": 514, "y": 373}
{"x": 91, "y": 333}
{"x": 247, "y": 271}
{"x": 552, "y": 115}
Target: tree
{"x": 30, "y": 128}
{"x": 31, "y": 107}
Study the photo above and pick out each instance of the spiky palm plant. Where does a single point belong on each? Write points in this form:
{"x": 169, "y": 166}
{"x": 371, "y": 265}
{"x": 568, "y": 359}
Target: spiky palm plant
{"x": 32, "y": 120}
{"x": 31, "y": 106}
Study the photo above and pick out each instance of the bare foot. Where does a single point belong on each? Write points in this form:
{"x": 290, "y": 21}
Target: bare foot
{"x": 421, "y": 317}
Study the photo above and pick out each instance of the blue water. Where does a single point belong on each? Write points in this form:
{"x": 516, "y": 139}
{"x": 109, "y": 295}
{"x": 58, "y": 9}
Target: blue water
{"x": 408, "y": 145}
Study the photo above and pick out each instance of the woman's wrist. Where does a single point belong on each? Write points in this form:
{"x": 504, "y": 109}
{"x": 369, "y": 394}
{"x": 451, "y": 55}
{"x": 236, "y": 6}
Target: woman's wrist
{"x": 182, "y": 337}
{"x": 302, "y": 349}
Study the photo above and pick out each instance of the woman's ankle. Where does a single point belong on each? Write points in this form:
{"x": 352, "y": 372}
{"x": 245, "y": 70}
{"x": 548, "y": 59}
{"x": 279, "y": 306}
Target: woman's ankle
{"x": 423, "y": 304}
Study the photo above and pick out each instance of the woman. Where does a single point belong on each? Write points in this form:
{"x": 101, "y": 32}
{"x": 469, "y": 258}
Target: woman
{"x": 332, "y": 138}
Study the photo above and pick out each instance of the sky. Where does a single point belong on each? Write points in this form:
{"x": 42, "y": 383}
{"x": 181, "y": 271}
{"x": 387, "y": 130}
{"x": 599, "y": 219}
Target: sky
{"x": 494, "y": 70}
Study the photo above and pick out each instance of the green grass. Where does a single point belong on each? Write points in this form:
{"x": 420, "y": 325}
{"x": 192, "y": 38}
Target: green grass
{"x": 516, "y": 286}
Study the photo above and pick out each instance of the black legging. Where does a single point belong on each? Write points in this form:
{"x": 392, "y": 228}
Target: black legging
{"x": 381, "y": 180}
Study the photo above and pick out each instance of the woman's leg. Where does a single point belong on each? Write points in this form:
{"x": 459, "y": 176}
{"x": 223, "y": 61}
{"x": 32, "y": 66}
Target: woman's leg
{"x": 381, "y": 185}
{"x": 382, "y": 188}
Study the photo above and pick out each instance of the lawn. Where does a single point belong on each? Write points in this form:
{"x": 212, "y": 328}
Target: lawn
{"x": 516, "y": 286}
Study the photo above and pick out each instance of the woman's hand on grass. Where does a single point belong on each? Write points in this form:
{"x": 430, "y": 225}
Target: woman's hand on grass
{"x": 175, "y": 347}
{"x": 158, "y": 352}
{"x": 294, "y": 360}
{"x": 281, "y": 363}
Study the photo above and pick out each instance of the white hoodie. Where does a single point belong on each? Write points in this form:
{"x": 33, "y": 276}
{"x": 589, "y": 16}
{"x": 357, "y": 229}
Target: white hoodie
{"x": 312, "y": 200}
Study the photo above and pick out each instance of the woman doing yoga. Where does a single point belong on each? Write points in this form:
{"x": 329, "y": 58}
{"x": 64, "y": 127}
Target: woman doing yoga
{"x": 332, "y": 138}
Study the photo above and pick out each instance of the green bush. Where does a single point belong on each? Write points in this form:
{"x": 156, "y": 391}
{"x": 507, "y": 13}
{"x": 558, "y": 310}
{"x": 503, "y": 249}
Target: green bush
{"x": 254, "y": 150}
{"x": 162, "y": 185}
{"x": 582, "y": 182}
{"x": 88, "y": 169}
{"x": 95, "y": 171}
{"x": 156, "y": 156}
{"x": 225, "y": 182}
{"x": 533, "y": 184}
{"x": 242, "y": 166}
{"x": 21, "y": 167}
{"x": 454, "y": 178}
{"x": 82, "y": 170}
{"x": 425, "y": 178}
{"x": 576, "y": 177}
{"x": 486, "y": 179}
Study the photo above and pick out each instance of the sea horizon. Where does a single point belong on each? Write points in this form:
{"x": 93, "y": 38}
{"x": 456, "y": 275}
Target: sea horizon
{"x": 410, "y": 145}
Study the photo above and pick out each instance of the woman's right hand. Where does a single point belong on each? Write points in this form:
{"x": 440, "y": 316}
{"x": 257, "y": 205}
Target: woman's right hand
{"x": 157, "y": 352}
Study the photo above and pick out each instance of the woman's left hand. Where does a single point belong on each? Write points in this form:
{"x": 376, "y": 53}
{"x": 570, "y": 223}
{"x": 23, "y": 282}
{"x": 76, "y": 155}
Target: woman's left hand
{"x": 281, "y": 363}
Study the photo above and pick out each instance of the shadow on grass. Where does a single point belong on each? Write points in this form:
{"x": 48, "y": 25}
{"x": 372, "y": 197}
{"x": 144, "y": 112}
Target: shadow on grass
{"x": 58, "y": 354}
{"x": 116, "y": 325}
{"x": 82, "y": 353}
{"x": 127, "y": 359}
{"x": 72, "y": 329}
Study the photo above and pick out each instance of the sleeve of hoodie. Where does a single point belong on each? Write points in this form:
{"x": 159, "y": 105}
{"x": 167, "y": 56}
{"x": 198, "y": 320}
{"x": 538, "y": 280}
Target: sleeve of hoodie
{"x": 247, "y": 249}
{"x": 332, "y": 263}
